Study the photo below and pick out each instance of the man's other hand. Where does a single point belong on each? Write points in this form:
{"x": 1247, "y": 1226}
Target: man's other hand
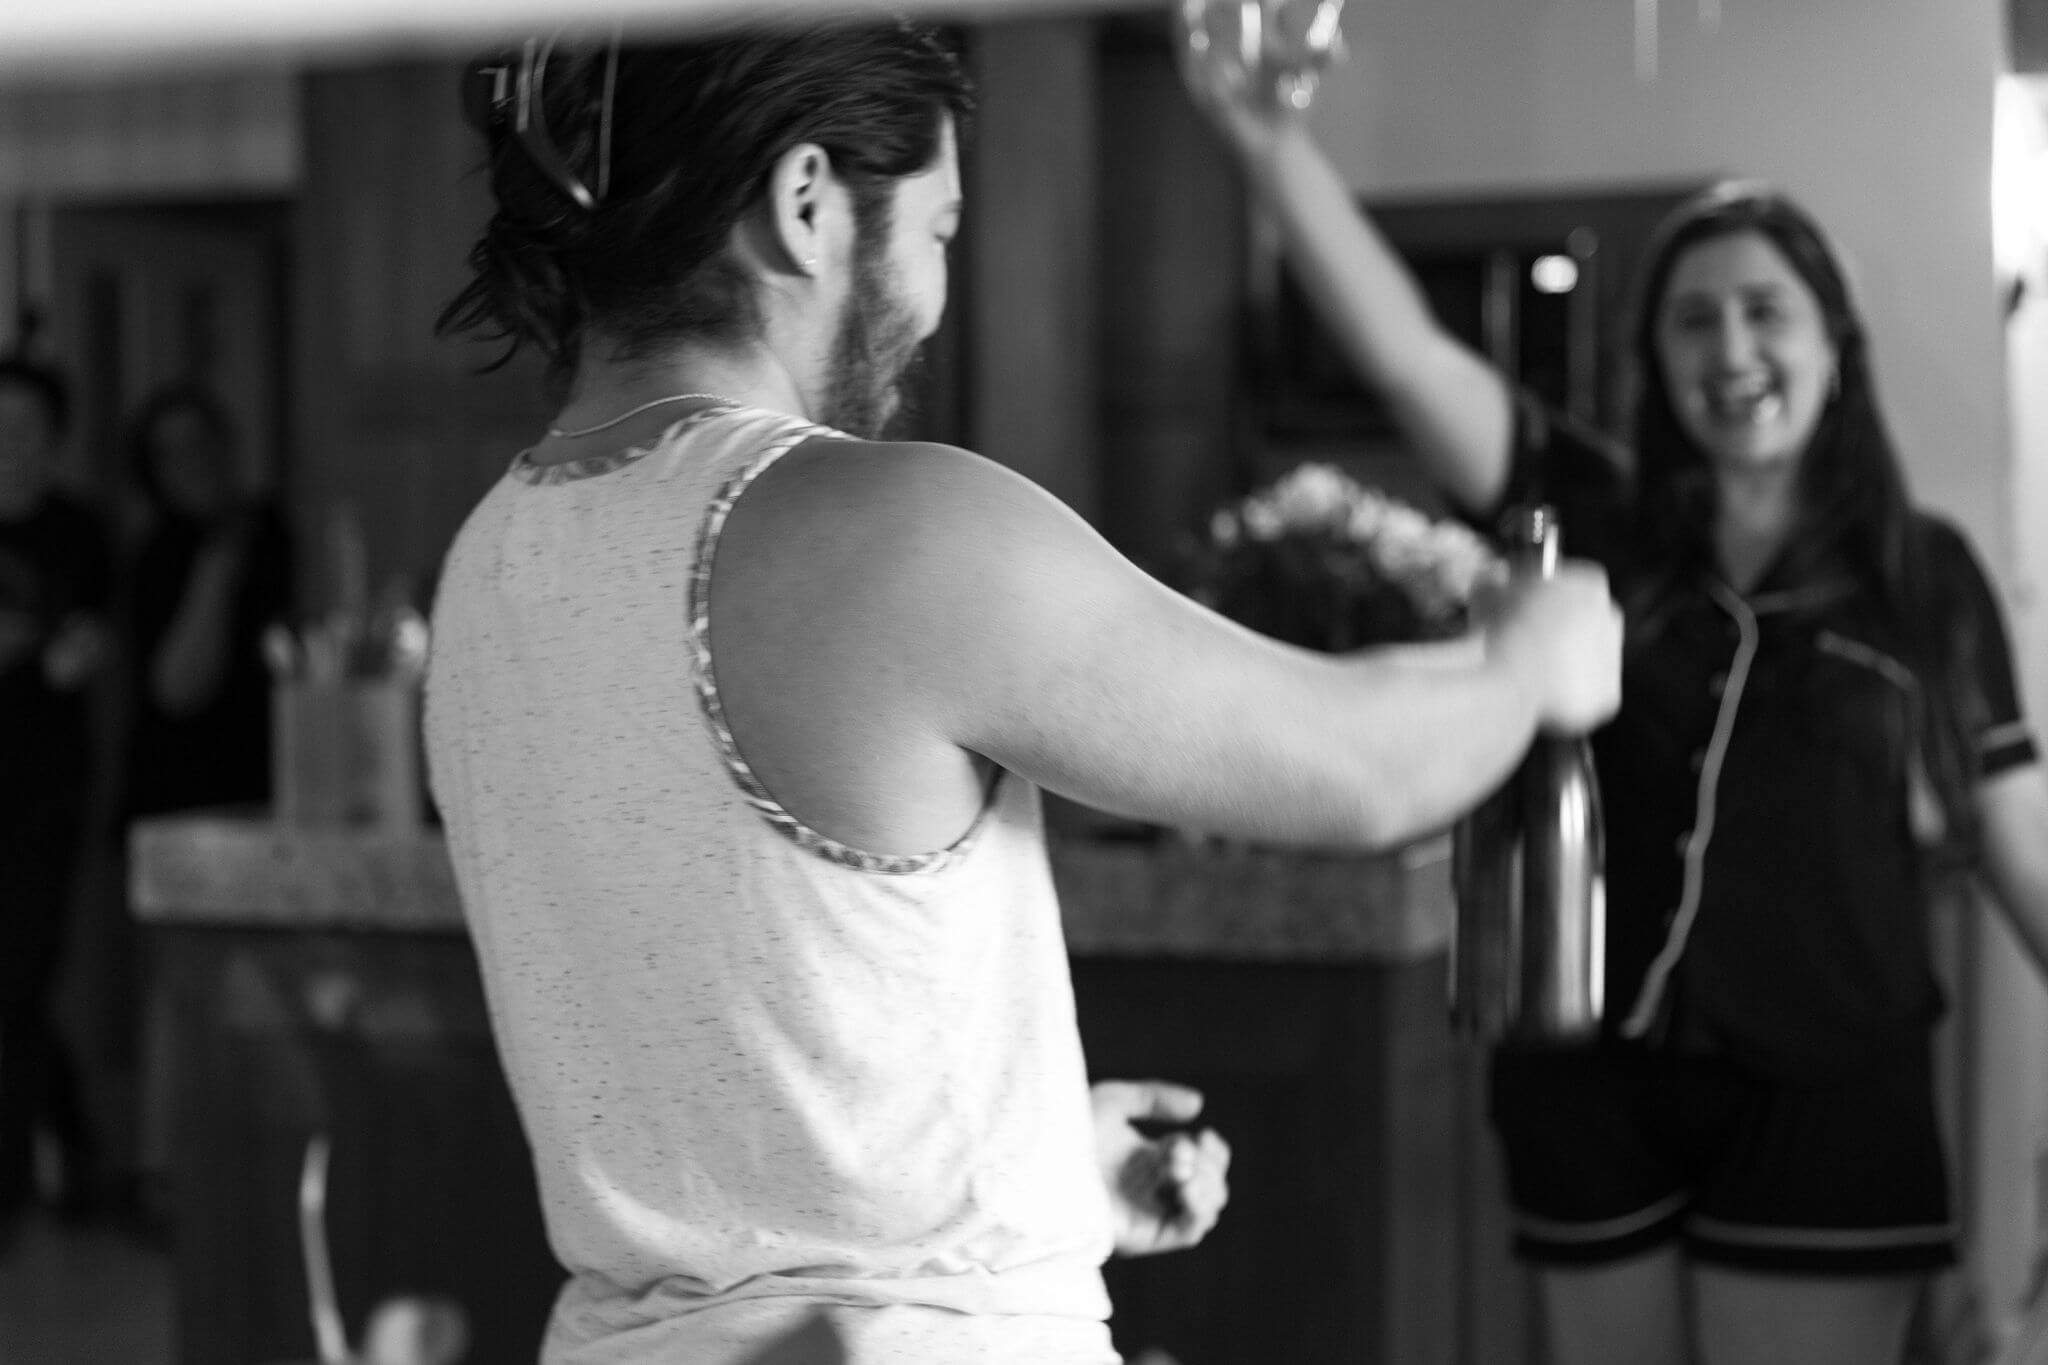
{"x": 1166, "y": 1191}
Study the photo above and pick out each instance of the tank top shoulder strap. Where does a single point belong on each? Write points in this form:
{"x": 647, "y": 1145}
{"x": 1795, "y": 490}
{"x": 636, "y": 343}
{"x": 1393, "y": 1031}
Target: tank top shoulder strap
{"x": 742, "y": 456}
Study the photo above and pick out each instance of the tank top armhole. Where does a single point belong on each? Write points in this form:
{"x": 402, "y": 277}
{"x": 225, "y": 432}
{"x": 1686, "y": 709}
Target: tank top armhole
{"x": 749, "y": 783}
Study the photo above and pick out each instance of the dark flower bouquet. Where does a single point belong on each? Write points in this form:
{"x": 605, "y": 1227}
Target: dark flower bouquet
{"x": 1321, "y": 560}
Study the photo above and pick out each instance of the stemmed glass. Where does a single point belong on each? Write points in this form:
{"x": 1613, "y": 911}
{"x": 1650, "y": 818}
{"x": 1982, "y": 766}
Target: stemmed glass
{"x": 1269, "y": 51}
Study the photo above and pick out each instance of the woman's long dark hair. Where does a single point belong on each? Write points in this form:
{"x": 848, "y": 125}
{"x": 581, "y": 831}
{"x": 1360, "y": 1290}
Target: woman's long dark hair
{"x": 676, "y": 140}
{"x": 1854, "y": 506}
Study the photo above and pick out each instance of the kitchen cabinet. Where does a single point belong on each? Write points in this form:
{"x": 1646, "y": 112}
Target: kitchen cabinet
{"x": 319, "y": 982}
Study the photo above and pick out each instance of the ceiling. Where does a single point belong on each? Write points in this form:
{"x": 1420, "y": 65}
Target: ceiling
{"x": 44, "y": 38}
{"x": 58, "y": 37}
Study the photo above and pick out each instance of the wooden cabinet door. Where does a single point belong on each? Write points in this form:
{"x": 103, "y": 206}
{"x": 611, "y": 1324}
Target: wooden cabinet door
{"x": 1364, "y": 1226}
{"x": 381, "y": 1043}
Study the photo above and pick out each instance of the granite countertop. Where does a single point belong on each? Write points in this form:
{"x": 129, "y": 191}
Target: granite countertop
{"x": 1168, "y": 898}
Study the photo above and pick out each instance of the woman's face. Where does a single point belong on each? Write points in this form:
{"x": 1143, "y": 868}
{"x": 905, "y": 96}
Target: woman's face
{"x": 1745, "y": 351}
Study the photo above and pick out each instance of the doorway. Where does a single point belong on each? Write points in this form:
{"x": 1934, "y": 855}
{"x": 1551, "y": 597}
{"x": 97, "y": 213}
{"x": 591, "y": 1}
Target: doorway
{"x": 145, "y": 294}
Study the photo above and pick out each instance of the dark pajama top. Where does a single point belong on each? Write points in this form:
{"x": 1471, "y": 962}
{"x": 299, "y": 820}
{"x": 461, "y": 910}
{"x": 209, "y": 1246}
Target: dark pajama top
{"x": 1767, "y": 897}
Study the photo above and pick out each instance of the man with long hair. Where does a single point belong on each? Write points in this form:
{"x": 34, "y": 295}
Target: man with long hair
{"x": 739, "y": 715}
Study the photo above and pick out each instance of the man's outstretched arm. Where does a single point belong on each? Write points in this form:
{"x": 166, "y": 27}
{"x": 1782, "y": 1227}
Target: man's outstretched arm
{"x": 1018, "y": 633}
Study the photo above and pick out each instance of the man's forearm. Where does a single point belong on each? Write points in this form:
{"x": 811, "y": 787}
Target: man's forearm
{"x": 1450, "y": 735}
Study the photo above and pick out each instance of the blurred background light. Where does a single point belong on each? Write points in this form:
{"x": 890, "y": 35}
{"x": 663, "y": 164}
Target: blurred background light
{"x": 2019, "y": 177}
{"x": 1554, "y": 274}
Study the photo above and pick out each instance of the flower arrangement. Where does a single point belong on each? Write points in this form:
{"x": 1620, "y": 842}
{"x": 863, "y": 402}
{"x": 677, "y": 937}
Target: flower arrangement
{"x": 1321, "y": 560}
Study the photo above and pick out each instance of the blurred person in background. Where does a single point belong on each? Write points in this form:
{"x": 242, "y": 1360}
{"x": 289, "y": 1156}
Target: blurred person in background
{"x": 54, "y": 581}
{"x": 1819, "y": 728}
{"x": 213, "y": 568}
{"x": 210, "y": 568}
{"x": 739, "y": 713}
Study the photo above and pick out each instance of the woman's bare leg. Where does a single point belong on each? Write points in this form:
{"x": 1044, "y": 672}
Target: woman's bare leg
{"x": 1631, "y": 1312}
{"x": 1750, "y": 1318}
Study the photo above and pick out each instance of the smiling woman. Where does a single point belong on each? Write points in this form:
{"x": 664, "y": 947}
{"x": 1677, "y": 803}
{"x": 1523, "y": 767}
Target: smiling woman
{"x": 1820, "y": 726}
{"x": 1744, "y": 346}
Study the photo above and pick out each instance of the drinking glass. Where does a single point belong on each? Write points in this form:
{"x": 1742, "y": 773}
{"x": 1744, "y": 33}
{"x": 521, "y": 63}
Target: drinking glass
{"x": 1269, "y": 50}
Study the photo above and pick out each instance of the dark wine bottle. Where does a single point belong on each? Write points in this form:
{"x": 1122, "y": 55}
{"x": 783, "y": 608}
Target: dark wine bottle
{"x": 1528, "y": 957}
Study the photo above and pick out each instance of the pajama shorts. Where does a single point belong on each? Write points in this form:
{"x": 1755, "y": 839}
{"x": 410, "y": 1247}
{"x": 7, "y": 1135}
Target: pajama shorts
{"x": 1613, "y": 1150}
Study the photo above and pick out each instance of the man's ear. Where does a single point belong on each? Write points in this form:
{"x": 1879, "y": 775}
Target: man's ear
{"x": 801, "y": 195}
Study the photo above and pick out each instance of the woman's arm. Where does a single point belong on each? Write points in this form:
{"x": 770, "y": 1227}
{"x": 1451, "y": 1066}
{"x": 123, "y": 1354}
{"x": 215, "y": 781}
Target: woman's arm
{"x": 2012, "y": 791}
{"x": 188, "y": 665}
{"x": 1452, "y": 405}
{"x": 2013, "y": 806}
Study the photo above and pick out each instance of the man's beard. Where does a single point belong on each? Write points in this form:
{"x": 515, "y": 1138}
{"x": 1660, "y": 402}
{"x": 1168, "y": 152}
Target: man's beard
{"x": 875, "y": 350}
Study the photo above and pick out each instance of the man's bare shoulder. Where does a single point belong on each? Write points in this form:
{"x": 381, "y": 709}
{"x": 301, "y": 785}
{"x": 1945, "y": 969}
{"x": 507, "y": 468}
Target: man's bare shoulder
{"x": 896, "y": 541}
{"x": 883, "y": 472}
{"x": 902, "y": 494}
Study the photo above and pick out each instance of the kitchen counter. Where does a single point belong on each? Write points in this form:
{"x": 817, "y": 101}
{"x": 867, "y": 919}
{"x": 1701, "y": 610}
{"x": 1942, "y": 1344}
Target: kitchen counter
{"x": 1166, "y": 898}
{"x": 318, "y": 982}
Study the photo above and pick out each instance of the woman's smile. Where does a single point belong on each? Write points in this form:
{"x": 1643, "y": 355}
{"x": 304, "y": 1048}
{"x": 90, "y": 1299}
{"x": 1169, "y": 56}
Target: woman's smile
{"x": 1745, "y": 351}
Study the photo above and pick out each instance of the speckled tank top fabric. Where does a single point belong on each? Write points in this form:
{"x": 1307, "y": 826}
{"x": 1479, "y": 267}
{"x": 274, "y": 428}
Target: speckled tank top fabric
{"x": 763, "y": 1074}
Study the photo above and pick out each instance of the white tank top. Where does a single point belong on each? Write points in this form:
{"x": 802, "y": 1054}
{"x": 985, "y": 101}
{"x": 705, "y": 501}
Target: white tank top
{"x": 760, "y": 1071}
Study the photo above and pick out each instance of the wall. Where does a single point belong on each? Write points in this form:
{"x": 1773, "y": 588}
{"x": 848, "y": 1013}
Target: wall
{"x": 1025, "y": 292}
{"x": 1170, "y": 319}
{"x": 209, "y": 133}
{"x": 399, "y": 434}
{"x": 212, "y": 131}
